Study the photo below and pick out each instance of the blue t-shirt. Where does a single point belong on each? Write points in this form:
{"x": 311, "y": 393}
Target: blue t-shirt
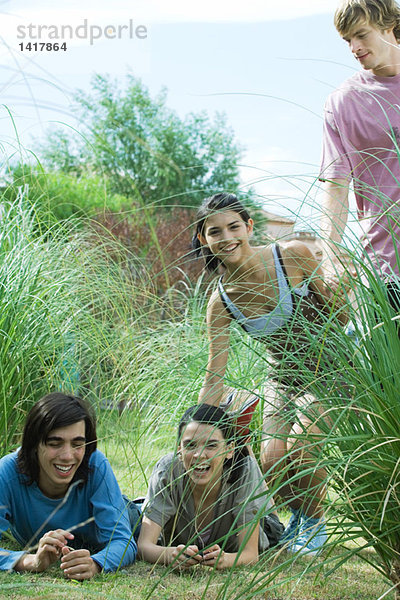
{"x": 29, "y": 514}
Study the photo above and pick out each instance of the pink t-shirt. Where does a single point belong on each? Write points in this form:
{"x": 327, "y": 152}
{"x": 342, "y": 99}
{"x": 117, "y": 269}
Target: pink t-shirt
{"x": 361, "y": 141}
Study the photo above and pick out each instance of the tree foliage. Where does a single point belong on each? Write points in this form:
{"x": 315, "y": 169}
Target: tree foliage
{"x": 144, "y": 149}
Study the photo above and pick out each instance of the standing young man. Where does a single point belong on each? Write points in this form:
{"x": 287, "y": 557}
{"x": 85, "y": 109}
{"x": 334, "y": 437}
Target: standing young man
{"x": 59, "y": 496}
{"x": 361, "y": 140}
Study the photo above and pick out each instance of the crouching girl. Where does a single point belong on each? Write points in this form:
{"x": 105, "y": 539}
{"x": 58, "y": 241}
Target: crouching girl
{"x": 207, "y": 503}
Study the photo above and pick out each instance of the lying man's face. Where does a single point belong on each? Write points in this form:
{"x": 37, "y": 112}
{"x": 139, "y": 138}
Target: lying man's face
{"x": 60, "y": 457}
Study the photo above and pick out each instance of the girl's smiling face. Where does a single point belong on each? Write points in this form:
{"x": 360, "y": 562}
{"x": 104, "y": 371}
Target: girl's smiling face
{"x": 204, "y": 450}
{"x": 226, "y": 235}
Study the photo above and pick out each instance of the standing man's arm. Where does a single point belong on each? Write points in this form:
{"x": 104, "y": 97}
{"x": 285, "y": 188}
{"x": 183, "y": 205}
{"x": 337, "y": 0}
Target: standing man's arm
{"x": 334, "y": 216}
{"x": 335, "y": 173}
{"x": 335, "y": 211}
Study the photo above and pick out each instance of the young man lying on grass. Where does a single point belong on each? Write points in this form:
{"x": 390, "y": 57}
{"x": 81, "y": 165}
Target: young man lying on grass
{"x": 60, "y": 498}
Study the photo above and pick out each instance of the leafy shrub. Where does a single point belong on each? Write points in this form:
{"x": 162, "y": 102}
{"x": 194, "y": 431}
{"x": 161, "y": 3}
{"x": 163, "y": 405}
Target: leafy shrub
{"x": 60, "y": 196}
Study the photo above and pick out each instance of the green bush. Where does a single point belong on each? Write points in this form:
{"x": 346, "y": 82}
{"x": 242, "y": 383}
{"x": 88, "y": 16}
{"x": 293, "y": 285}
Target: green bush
{"x": 60, "y": 196}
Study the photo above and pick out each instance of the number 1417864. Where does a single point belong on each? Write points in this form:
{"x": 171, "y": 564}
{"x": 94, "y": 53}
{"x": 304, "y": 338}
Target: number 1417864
{"x": 43, "y": 46}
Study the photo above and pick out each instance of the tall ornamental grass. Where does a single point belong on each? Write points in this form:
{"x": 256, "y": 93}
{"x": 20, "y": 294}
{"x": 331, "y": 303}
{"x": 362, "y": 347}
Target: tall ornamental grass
{"x": 75, "y": 316}
{"x": 356, "y": 381}
{"x": 362, "y": 455}
{"x": 60, "y": 297}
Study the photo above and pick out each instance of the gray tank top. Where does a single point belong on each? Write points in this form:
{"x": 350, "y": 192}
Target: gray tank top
{"x": 276, "y": 319}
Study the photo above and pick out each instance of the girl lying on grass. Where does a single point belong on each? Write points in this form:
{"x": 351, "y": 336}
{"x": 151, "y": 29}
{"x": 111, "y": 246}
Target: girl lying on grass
{"x": 278, "y": 295}
{"x": 206, "y": 502}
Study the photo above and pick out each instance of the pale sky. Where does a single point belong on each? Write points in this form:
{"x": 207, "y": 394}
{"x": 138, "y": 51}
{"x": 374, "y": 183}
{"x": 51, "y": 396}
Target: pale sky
{"x": 173, "y": 11}
{"x": 268, "y": 64}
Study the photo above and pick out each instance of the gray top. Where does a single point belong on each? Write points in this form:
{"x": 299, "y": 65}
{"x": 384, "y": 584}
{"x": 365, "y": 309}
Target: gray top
{"x": 170, "y": 504}
{"x": 278, "y": 317}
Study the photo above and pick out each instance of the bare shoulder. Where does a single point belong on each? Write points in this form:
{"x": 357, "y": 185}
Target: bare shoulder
{"x": 216, "y": 311}
{"x": 296, "y": 249}
{"x": 300, "y": 261}
{"x": 263, "y": 251}
{"x": 214, "y": 302}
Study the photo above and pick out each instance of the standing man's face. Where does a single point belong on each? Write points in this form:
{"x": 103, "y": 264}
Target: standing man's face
{"x": 374, "y": 49}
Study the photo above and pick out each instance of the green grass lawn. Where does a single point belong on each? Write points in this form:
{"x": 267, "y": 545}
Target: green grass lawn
{"x": 353, "y": 581}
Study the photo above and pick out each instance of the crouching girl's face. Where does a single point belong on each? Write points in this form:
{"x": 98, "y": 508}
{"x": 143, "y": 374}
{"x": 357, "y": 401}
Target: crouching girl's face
{"x": 203, "y": 450}
{"x": 226, "y": 234}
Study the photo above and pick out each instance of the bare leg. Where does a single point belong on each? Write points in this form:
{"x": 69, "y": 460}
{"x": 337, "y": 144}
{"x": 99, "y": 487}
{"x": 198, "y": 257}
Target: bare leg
{"x": 289, "y": 457}
{"x": 277, "y": 425}
{"x": 289, "y": 452}
{"x": 304, "y": 446}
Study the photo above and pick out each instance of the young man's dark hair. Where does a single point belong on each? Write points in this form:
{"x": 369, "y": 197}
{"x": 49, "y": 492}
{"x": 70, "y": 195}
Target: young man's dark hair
{"x": 52, "y": 412}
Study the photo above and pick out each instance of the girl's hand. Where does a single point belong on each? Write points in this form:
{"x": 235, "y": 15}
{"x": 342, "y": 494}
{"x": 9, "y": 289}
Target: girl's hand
{"x": 184, "y": 557}
{"x": 215, "y": 557}
{"x": 78, "y": 564}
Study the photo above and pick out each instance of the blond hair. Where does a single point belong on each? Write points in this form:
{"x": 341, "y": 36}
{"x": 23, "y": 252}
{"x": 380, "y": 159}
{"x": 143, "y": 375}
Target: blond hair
{"x": 383, "y": 14}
